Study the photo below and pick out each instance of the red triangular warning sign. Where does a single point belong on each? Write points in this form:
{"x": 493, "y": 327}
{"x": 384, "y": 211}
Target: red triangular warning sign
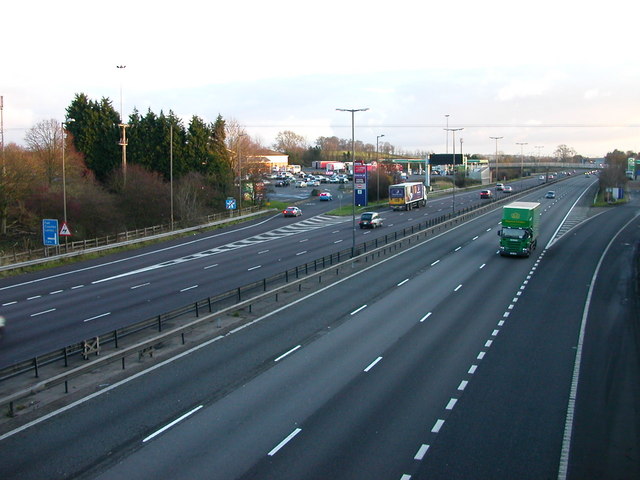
{"x": 65, "y": 231}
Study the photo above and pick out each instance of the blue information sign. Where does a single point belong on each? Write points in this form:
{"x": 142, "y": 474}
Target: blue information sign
{"x": 50, "y": 232}
{"x": 230, "y": 203}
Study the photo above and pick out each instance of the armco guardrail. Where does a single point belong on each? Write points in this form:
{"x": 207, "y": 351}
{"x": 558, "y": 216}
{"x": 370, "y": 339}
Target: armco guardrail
{"x": 240, "y": 297}
{"x": 75, "y": 248}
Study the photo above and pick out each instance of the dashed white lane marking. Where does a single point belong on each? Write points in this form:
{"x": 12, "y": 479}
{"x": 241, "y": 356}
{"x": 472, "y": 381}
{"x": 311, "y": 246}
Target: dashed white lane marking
{"x": 422, "y": 451}
{"x": 473, "y": 369}
{"x": 254, "y": 268}
{"x": 358, "y": 310}
{"x": 284, "y": 442}
{"x": 139, "y": 286}
{"x": 403, "y": 282}
{"x": 463, "y": 385}
{"x": 288, "y": 353}
{"x": 168, "y": 426}
{"x": 96, "y": 317}
{"x": 451, "y": 404}
{"x": 372, "y": 364}
{"x": 43, "y": 312}
{"x": 436, "y": 262}
{"x": 457, "y": 288}
{"x": 425, "y": 317}
{"x": 188, "y": 288}
{"x": 438, "y": 425}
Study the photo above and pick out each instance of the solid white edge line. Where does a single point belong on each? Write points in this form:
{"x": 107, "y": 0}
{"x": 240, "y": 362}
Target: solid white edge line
{"x": 169, "y": 425}
{"x": 568, "y": 426}
{"x": 284, "y": 442}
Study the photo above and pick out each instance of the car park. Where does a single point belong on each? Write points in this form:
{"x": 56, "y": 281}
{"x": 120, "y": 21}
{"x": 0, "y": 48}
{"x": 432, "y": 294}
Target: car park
{"x": 301, "y": 184}
{"x": 486, "y": 194}
{"x": 370, "y": 220}
{"x": 292, "y": 212}
{"x": 507, "y": 189}
{"x": 550, "y": 194}
{"x": 325, "y": 196}
{"x": 282, "y": 183}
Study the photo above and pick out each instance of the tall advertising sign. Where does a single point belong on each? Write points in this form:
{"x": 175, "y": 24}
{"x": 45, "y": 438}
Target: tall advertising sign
{"x": 360, "y": 183}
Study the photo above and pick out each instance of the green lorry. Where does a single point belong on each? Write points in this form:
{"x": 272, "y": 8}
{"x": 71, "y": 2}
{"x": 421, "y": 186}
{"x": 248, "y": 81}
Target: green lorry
{"x": 519, "y": 232}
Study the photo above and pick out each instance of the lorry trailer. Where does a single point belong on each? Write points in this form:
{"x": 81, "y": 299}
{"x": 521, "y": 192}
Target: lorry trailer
{"x": 407, "y": 195}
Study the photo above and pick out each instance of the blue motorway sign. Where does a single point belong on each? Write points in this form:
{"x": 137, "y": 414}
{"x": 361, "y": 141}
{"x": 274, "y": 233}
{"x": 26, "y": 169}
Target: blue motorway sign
{"x": 230, "y": 203}
{"x": 50, "y": 232}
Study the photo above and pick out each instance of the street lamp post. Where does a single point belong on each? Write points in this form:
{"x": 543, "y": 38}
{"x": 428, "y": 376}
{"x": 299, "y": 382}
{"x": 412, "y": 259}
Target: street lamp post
{"x": 353, "y": 177}
{"x": 378, "y": 165}
{"x": 453, "y": 133}
{"x": 496, "y": 139}
{"x": 522, "y": 144}
{"x": 446, "y": 142}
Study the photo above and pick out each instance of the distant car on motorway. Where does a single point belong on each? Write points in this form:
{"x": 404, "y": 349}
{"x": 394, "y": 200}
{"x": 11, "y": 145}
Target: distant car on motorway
{"x": 325, "y": 196}
{"x": 292, "y": 212}
{"x": 370, "y": 220}
{"x": 499, "y": 187}
{"x": 486, "y": 194}
{"x": 507, "y": 189}
{"x": 550, "y": 194}
{"x": 541, "y": 177}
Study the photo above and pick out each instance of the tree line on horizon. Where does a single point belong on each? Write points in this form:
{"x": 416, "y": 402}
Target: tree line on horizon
{"x": 201, "y": 158}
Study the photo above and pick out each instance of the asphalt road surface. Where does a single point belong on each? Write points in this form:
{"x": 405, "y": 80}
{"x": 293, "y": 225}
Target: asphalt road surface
{"x": 446, "y": 361}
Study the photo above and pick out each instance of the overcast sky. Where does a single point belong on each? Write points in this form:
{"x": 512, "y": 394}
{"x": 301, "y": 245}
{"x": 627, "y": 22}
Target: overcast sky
{"x": 546, "y": 73}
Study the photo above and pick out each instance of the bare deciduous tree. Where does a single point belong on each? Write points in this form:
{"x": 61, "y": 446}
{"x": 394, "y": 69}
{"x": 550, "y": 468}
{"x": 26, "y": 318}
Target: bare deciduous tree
{"x": 44, "y": 140}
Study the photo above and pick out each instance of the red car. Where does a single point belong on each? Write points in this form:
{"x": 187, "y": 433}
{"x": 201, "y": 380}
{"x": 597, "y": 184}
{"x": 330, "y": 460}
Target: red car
{"x": 292, "y": 212}
{"x": 486, "y": 194}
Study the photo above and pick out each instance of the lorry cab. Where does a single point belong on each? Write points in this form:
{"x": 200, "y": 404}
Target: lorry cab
{"x": 519, "y": 232}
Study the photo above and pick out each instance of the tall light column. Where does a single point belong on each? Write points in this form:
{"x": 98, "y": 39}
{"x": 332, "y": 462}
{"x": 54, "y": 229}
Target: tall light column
{"x": 378, "y": 165}
{"x": 453, "y": 133}
{"x": 522, "y": 144}
{"x": 353, "y": 177}
{"x": 446, "y": 142}
{"x": 496, "y": 139}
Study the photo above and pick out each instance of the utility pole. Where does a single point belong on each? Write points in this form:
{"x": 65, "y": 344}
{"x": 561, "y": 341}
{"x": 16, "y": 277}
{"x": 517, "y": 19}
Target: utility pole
{"x": 123, "y": 126}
